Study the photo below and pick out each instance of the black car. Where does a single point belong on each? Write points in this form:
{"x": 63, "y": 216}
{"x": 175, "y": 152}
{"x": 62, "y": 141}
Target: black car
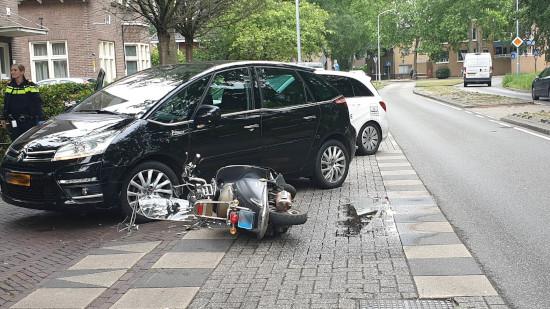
{"x": 134, "y": 136}
{"x": 541, "y": 85}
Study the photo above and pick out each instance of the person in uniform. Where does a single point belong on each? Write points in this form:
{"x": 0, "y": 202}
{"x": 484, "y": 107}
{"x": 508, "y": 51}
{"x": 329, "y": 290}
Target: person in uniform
{"x": 22, "y": 103}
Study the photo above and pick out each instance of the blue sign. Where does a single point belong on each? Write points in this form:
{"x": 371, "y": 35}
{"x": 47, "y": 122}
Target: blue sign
{"x": 514, "y": 55}
{"x": 536, "y": 52}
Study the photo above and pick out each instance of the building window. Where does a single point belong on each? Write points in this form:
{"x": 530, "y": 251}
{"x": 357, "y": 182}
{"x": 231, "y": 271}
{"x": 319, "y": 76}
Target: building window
{"x": 443, "y": 57}
{"x": 474, "y": 34}
{"x": 461, "y": 54}
{"x": 4, "y": 61}
{"x": 138, "y": 57}
{"x": 107, "y": 60}
{"x": 49, "y": 60}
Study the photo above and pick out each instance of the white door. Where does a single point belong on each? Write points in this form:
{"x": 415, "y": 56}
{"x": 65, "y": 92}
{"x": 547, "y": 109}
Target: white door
{"x": 4, "y": 61}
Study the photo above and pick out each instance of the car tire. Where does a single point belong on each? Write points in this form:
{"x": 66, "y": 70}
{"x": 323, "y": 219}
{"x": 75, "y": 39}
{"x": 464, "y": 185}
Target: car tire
{"x": 286, "y": 218}
{"x": 465, "y": 84}
{"x": 369, "y": 139}
{"x": 329, "y": 171}
{"x": 535, "y": 97}
{"x": 150, "y": 171}
{"x": 489, "y": 84}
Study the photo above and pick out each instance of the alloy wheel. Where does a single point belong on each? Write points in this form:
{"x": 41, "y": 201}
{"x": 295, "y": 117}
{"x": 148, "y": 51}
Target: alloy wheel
{"x": 146, "y": 183}
{"x": 333, "y": 164}
{"x": 370, "y": 138}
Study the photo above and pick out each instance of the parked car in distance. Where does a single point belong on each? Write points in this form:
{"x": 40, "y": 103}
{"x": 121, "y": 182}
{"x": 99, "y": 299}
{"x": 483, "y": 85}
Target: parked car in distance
{"x": 477, "y": 69}
{"x": 541, "y": 85}
{"x": 64, "y": 80}
{"x": 367, "y": 110}
{"x": 133, "y": 137}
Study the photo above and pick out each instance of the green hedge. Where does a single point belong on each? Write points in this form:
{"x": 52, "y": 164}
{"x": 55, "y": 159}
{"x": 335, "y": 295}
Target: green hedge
{"x": 54, "y": 97}
{"x": 443, "y": 73}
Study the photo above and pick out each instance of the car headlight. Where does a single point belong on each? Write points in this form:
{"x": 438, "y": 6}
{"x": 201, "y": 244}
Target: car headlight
{"x": 85, "y": 147}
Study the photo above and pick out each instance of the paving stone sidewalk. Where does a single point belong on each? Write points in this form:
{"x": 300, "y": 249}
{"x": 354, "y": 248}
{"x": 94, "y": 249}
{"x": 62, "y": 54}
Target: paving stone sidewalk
{"x": 406, "y": 254}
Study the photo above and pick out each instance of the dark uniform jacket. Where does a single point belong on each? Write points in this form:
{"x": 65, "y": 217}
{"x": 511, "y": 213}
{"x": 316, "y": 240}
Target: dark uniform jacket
{"x": 23, "y": 104}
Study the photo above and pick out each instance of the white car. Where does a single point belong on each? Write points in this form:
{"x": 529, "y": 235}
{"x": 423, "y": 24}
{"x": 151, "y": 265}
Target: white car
{"x": 367, "y": 110}
{"x": 62, "y": 80}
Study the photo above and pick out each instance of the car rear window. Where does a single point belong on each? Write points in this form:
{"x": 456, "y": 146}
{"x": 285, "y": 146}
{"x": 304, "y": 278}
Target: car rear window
{"x": 319, "y": 87}
{"x": 342, "y": 84}
{"x": 359, "y": 89}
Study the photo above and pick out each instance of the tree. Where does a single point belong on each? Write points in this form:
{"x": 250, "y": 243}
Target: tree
{"x": 535, "y": 15}
{"x": 162, "y": 15}
{"x": 269, "y": 33}
{"x": 197, "y": 17}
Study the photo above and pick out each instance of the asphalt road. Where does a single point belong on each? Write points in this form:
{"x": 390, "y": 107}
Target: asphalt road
{"x": 492, "y": 181}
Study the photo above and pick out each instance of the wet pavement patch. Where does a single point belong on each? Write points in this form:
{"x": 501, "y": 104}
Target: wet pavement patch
{"x": 353, "y": 216}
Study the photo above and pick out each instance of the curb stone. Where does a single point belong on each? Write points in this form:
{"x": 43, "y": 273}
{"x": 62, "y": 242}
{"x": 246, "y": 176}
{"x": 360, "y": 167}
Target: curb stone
{"x": 441, "y": 100}
{"x": 525, "y": 124}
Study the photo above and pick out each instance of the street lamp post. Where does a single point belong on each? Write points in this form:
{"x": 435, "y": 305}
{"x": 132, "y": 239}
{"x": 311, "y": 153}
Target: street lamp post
{"x": 517, "y": 35}
{"x": 379, "y": 59}
{"x": 298, "y": 40}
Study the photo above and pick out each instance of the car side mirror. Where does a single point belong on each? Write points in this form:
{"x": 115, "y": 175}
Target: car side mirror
{"x": 207, "y": 115}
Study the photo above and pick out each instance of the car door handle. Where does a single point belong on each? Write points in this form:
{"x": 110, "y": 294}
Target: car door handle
{"x": 309, "y": 117}
{"x": 252, "y": 127}
{"x": 177, "y": 132}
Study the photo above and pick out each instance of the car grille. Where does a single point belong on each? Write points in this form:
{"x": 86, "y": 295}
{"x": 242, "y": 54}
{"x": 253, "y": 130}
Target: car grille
{"x": 31, "y": 156}
{"x": 42, "y": 189}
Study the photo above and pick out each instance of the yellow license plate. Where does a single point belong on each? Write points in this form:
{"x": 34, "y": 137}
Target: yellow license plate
{"x": 18, "y": 179}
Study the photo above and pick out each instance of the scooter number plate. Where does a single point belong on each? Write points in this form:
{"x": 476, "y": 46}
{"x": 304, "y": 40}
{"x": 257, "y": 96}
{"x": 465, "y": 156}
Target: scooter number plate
{"x": 246, "y": 220}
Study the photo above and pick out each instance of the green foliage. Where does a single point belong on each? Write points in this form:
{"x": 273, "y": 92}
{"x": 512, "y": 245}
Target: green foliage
{"x": 54, "y": 98}
{"x": 537, "y": 12}
{"x": 521, "y": 81}
{"x": 155, "y": 56}
{"x": 269, "y": 33}
{"x": 443, "y": 73}
{"x": 363, "y": 68}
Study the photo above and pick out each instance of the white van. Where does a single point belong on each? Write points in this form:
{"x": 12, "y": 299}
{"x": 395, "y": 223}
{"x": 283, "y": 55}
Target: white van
{"x": 478, "y": 69}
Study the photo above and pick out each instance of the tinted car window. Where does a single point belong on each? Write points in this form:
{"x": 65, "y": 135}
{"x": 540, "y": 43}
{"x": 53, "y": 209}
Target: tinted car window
{"x": 342, "y": 84}
{"x": 319, "y": 87}
{"x": 180, "y": 107}
{"x": 280, "y": 87}
{"x": 359, "y": 89}
{"x": 231, "y": 91}
{"x": 545, "y": 73}
{"x": 135, "y": 94}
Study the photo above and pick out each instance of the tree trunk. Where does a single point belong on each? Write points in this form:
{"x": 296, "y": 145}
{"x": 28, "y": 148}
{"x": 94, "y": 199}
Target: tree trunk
{"x": 470, "y": 36}
{"x": 479, "y": 36}
{"x": 188, "y": 49}
{"x": 415, "y": 61}
{"x": 168, "y": 53}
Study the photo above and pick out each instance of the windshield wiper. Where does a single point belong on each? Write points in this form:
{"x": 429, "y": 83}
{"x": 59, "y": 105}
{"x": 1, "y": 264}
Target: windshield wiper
{"x": 98, "y": 111}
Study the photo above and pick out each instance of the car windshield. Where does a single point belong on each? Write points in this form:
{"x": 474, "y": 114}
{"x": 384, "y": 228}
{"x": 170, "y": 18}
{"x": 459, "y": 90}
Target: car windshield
{"x": 135, "y": 94}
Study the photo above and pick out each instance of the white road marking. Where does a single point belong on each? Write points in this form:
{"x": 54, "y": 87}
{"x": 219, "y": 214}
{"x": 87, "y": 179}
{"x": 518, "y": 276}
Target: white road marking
{"x": 533, "y": 133}
{"x": 491, "y": 117}
{"x": 468, "y": 112}
{"x": 480, "y": 116}
{"x": 501, "y": 123}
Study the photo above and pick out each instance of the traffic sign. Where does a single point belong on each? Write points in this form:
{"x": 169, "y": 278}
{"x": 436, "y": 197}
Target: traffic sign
{"x": 517, "y": 42}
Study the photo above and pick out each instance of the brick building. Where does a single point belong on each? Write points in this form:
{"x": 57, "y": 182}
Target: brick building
{"x": 12, "y": 25}
{"x": 83, "y": 36}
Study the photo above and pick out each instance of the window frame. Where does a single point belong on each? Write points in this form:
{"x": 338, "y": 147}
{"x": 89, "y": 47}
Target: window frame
{"x": 174, "y": 94}
{"x": 111, "y": 73}
{"x": 49, "y": 57}
{"x": 142, "y": 57}
{"x": 249, "y": 105}
{"x": 305, "y": 90}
